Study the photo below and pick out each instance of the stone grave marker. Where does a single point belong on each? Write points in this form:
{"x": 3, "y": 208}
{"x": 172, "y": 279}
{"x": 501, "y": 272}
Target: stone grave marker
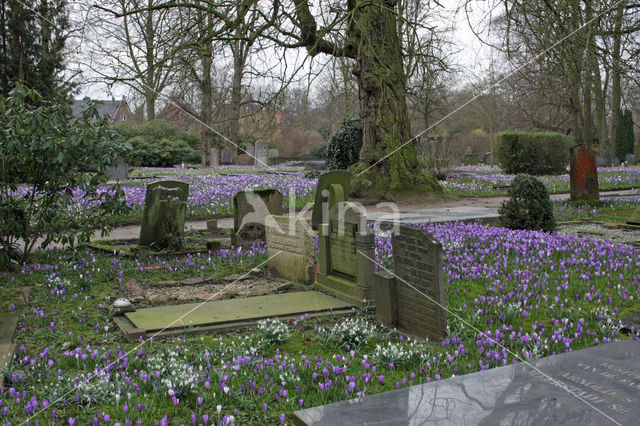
{"x": 226, "y": 156}
{"x": 347, "y": 254}
{"x": 583, "y": 175}
{"x": 630, "y": 159}
{"x": 120, "y": 171}
{"x": 417, "y": 271}
{"x": 290, "y": 248}
{"x": 165, "y": 208}
{"x": 274, "y": 153}
{"x": 320, "y": 211}
{"x": 593, "y": 386}
{"x": 214, "y": 157}
{"x": 250, "y": 208}
{"x": 250, "y": 151}
{"x": 261, "y": 154}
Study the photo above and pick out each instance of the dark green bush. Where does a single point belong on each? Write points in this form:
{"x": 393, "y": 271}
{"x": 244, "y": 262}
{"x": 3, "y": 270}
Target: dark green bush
{"x": 344, "y": 147}
{"x": 529, "y": 206}
{"x": 159, "y": 143}
{"x": 47, "y": 191}
{"x": 533, "y": 153}
{"x": 625, "y": 139}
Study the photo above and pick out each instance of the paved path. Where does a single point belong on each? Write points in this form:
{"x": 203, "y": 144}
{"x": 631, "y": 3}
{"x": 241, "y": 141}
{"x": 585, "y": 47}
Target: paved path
{"x": 429, "y": 209}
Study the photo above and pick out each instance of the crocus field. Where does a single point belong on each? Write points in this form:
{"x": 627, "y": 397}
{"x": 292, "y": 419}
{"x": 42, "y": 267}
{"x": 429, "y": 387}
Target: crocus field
{"x": 511, "y": 295}
{"x": 487, "y": 180}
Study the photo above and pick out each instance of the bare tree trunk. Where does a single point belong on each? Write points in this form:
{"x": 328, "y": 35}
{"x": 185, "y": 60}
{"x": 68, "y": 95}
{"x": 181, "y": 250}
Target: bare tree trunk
{"x": 150, "y": 94}
{"x": 206, "y": 106}
{"x": 615, "y": 75}
{"x": 239, "y": 59}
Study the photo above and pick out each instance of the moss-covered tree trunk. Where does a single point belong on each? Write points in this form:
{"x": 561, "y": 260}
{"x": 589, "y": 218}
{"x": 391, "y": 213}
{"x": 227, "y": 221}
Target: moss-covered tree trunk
{"x": 388, "y": 164}
{"x": 382, "y": 93}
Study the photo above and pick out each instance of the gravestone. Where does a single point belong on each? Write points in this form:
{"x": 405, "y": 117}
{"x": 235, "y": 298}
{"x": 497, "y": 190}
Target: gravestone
{"x": 290, "y": 248}
{"x": 165, "y": 208}
{"x": 250, "y": 151}
{"x": 413, "y": 297}
{"x": 226, "y": 156}
{"x": 320, "y": 204}
{"x": 120, "y": 171}
{"x": 583, "y": 175}
{"x": 261, "y": 154}
{"x": 630, "y": 159}
{"x": 347, "y": 254}
{"x": 244, "y": 160}
{"x": 274, "y": 153}
{"x": 250, "y": 208}
{"x": 214, "y": 157}
{"x": 487, "y": 158}
{"x": 613, "y": 161}
{"x": 594, "y": 386}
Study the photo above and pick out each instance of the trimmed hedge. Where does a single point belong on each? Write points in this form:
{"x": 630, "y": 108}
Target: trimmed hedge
{"x": 533, "y": 153}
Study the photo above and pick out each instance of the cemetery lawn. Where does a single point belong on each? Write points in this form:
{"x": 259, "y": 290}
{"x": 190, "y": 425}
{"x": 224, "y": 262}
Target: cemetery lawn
{"x": 489, "y": 181}
{"x": 512, "y": 296}
{"x": 611, "y": 209}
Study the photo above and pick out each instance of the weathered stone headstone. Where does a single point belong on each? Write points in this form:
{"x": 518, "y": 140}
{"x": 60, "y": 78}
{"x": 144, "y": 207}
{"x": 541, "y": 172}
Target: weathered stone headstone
{"x": 261, "y": 154}
{"x": 120, "y": 171}
{"x": 290, "y": 248}
{"x": 630, "y": 159}
{"x": 214, "y": 157}
{"x": 419, "y": 305}
{"x": 613, "y": 161}
{"x": 250, "y": 151}
{"x": 165, "y": 208}
{"x": 487, "y": 158}
{"x": 583, "y": 175}
{"x": 320, "y": 205}
{"x": 274, "y": 153}
{"x": 227, "y": 155}
{"x": 593, "y": 386}
{"x": 347, "y": 254}
{"x": 244, "y": 160}
{"x": 250, "y": 208}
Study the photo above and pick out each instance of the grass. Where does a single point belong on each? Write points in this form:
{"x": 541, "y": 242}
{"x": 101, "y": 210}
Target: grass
{"x": 512, "y": 296}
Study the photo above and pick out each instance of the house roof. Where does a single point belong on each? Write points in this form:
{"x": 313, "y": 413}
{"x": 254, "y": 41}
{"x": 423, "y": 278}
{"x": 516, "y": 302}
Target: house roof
{"x": 105, "y": 108}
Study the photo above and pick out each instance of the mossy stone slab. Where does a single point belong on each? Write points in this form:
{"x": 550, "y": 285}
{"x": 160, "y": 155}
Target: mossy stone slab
{"x": 165, "y": 208}
{"x": 8, "y": 324}
{"x": 634, "y": 219}
{"x": 6, "y": 357}
{"x": 232, "y": 310}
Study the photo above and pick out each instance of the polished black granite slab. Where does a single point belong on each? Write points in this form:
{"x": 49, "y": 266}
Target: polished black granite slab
{"x": 595, "y": 386}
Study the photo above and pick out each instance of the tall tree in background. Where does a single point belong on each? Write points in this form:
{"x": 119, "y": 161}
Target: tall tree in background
{"x": 367, "y": 31}
{"x": 32, "y": 38}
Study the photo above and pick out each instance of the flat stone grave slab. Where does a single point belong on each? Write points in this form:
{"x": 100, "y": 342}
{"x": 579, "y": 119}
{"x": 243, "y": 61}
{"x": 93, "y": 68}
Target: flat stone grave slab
{"x": 8, "y": 323}
{"x": 461, "y": 214}
{"x": 594, "y": 386}
{"x": 6, "y": 356}
{"x": 233, "y": 310}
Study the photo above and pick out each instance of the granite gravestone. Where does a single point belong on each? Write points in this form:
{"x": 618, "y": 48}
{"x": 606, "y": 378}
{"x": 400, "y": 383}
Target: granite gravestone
{"x": 594, "y": 386}
{"x": 320, "y": 204}
{"x": 120, "y": 171}
{"x": 274, "y": 153}
{"x": 165, "y": 208}
{"x": 262, "y": 154}
{"x": 347, "y": 253}
{"x": 250, "y": 208}
{"x": 226, "y": 157}
{"x": 290, "y": 248}
{"x": 250, "y": 151}
{"x": 214, "y": 157}
{"x": 583, "y": 175}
